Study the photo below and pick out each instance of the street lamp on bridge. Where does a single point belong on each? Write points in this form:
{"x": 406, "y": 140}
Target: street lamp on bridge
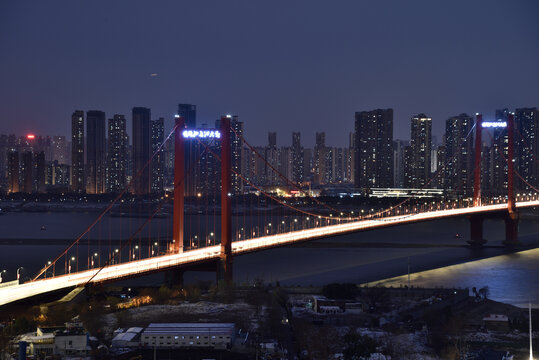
{"x": 93, "y": 257}
{"x": 69, "y": 267}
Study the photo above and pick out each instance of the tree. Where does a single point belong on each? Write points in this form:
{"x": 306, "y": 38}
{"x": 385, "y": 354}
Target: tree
{"x": 357, "y": 345}
{"x": 484, "y": 292}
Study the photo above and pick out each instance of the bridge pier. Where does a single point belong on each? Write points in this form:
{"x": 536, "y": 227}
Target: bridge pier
{"x": 174, "y": 277}
{"x": 224, "y": 269}
{"x": 476, "y": 231}
{"x": 511, "y": 229}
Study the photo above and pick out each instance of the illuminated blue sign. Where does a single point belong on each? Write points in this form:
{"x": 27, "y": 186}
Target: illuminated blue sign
{"x": 494, "y": 124}
{"x": 201, "y": 134}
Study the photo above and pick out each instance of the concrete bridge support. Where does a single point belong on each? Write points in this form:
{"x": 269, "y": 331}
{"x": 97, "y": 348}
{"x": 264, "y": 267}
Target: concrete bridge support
{"x": 174, "y": 277}
{"x": 476, "y": 231}
{"x": 511, "y": 229}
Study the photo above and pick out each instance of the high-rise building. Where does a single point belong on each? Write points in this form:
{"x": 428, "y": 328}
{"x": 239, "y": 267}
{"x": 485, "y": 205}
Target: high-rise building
{"x": 77, "y": 152}
{"x": 169, "y": 164}
{"x": 191, "y": 150}
{"x": 328, "y": 165}
{"x": 351, "y": 157}
{"x": 486, "y": 168}
{"x": 272, "y": 139}
{"x": 158, "y": 153}
{"x": 348, "y": 174}
{"x": 13, "y": 171}
{"x": 374, "y": 148}
{"x": 297, "y": 158}
{"x": 459, "y": 155}
{"x": 141, "y": 150}
{"x": 320, "y": 157}
{"x": 4, "y": 149}
{"x": 236, "y": 134}
{"x": 95, "y": 152}
{"x": 420, "y": 151}
{"x": 117, "y": 154}
{"x": 27, "y": 169}
{"x": 338, "y": 160}
{"x": 264, "y": 174}
{"x": 189, "y": 114}
{"x": 307, "y": 165}
{"x": 439, "y": 178}
{"x": 398, "y": 162}
{"x": 59, "y": 149}
{"x": 39, "y": 173}
{"x": 499, "y": 152}
{"x": 58, "y": 175}
{"x": 285, "y": 162}
{"x": 236, "y": 142}
{"x": 207, "y": 170}
{"x": 526, "y": 147}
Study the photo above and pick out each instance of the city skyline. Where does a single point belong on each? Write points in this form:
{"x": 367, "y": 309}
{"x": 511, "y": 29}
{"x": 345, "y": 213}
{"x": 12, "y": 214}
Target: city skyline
{"x": 373, "y": 158}
{"x": 306, "y": 140}
{"x": 280, "y": 67}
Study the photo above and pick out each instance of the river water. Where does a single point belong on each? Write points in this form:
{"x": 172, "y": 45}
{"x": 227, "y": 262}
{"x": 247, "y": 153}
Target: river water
{"x": 365, "y": 257}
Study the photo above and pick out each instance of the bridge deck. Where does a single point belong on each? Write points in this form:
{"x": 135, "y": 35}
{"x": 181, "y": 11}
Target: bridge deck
{"x": 17, "y": 292}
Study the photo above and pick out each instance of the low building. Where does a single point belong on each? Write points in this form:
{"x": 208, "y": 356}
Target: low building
{"x": 73, "y": 341}
{"x": 353, "y": 307}
{"x": 329, "y": 309}
{"x": 321, "y": 304}
{"x": 189, "y": 335}
{"x": 496, "y": 322}
{"x": 39, "y": 345}
{"x": 127, "y": 338}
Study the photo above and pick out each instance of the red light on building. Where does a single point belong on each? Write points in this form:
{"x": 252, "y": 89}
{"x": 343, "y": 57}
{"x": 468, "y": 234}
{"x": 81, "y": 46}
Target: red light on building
{"x": 30, "y": 136}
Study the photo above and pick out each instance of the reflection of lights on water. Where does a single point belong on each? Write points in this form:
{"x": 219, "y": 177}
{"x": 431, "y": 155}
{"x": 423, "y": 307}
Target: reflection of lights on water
{"x": 510, "y": 278}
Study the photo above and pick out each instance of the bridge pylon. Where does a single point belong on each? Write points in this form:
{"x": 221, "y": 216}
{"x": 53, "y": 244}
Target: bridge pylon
{"x": 476, "y": 221}
{"x": 511, "y": 219}
{"x": 225, "y": 268}
{"x": 179, "y": 186}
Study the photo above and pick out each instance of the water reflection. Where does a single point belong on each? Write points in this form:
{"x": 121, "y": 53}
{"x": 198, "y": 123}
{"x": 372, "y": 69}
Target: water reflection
{"x": 511, "y": 278}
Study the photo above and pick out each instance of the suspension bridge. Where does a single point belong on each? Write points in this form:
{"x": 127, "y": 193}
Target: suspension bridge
{"x": 235, "y": 239}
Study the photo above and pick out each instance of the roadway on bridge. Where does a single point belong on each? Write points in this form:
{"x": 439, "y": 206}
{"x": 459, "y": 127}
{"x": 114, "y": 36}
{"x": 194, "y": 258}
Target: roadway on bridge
{"x": 114, "y": 272}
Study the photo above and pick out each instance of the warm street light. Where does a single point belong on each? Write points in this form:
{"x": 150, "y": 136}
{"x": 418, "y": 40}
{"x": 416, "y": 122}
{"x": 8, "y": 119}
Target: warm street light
{"x": 69, "y": 268}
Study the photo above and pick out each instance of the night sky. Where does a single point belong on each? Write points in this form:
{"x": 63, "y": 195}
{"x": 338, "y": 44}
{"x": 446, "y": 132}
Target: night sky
{"x": 280, "y": 65}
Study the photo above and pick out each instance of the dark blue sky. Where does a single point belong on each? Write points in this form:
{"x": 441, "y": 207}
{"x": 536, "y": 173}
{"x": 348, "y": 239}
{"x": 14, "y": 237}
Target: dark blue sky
{"x": 280, "y": 65}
